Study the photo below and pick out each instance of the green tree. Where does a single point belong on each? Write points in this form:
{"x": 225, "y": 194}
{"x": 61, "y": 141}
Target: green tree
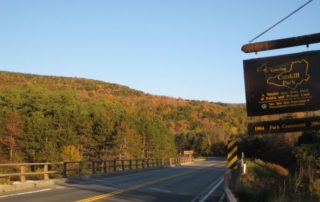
{"x": 13, "y": 129}
{"x": 70, "y": 153}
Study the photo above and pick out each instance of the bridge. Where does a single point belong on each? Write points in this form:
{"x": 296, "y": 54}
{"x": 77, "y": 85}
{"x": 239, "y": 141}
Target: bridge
{"x": 156, "y": 181}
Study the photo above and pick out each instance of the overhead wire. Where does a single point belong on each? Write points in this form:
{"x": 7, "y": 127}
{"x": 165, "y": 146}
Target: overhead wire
{"x": 280, "y": 21}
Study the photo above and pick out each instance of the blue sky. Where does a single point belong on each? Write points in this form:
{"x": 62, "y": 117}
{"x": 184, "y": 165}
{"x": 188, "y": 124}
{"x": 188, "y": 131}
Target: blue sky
{"x": 180, "y": 48}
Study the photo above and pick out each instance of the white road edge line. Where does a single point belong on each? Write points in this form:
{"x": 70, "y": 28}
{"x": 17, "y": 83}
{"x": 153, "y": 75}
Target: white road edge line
{"x": 24, "y": 193}
{"x": 203, "y": 199}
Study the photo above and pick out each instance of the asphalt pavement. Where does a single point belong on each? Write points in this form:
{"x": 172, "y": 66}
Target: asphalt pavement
{"x": 201, "y": 181}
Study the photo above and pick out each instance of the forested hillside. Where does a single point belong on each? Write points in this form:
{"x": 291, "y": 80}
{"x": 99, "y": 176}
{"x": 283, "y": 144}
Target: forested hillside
{"x": 46, "y": 118}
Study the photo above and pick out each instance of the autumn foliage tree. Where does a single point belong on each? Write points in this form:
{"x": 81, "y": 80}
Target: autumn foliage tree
{"x": 13, "y": 129}
{"x": 45, "y": 116}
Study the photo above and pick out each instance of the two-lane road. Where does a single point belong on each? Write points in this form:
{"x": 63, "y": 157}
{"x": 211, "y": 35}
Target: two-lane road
{"x": 184, "y": 183}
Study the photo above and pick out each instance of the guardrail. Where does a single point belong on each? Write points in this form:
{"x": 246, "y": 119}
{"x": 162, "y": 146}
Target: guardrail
{"x": 181, "y": 160}
{"x": 22, "y": 167}
{"x": 108, "y": 166}
{"x": 80, "y": 168}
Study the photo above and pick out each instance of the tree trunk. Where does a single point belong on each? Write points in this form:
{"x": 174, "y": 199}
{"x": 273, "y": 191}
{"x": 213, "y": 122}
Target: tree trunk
{"x": 11, "y": 153}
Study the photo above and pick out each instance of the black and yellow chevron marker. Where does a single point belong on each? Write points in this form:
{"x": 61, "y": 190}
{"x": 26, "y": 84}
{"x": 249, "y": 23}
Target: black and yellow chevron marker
{"x": 232, "y": 154}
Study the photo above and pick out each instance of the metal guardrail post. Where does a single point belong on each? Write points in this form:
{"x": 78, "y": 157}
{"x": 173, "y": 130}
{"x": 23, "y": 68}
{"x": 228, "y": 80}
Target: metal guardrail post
{"x": 65, "y": 169}
{"x": 80, "y": 168}
{"x": 122, "y": 165}
{"x": 104, "y": 166}
{"x": 137, "y": 164}
{"x": 114, "y": 165}
{"x": 93, "y": 167}
{"x": 130, "y": 164}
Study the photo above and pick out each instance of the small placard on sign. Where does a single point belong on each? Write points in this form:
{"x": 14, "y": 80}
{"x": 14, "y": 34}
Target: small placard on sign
{"x": 280, "y": 126}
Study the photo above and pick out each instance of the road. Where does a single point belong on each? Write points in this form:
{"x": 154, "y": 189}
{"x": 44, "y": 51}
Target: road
{"x": 194, "y": 182}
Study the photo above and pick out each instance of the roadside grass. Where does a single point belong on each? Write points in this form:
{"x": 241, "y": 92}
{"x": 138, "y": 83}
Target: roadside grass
{"x": 266, "y": 182}
{"x": 5, "y": 180}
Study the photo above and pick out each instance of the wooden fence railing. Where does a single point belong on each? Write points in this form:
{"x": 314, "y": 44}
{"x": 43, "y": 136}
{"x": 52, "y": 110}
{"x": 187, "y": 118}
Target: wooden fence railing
{"x": 79, "y": 168}
{"x": 108, "y": 166}
{"x": 24, "y": 172}
{"x": 181, "y": 160}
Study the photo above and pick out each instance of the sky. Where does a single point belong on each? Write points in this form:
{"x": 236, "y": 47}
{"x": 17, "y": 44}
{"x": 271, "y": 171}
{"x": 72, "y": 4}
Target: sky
{"x": 187, "y": 49}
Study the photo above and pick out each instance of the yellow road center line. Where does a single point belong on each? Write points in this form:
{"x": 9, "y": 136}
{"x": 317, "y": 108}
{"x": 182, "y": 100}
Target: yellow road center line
{"x": 120, "y": 191}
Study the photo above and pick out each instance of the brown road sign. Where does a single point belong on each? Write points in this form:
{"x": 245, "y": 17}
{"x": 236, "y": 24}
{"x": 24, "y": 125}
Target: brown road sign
{"x": 283, "y": 84}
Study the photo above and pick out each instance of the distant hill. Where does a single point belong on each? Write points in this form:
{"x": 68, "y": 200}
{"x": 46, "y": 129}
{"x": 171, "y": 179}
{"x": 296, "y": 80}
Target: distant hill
{"x": 199, "y": 125}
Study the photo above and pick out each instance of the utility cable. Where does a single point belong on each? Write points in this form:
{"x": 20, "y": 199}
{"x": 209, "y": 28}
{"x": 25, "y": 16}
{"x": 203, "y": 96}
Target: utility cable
{"x": 280, "y": 21}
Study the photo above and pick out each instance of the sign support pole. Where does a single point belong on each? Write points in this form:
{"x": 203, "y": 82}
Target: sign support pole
{"x": 281, "y": 43}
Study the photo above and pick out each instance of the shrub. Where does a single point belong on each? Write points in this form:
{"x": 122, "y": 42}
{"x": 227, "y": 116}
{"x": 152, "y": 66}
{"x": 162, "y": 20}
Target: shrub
{"x": 70, "y": 153}
{"x": 316, "y": 187}
{"x": 263, "y": 182}
{"x": 5, "y": 180}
